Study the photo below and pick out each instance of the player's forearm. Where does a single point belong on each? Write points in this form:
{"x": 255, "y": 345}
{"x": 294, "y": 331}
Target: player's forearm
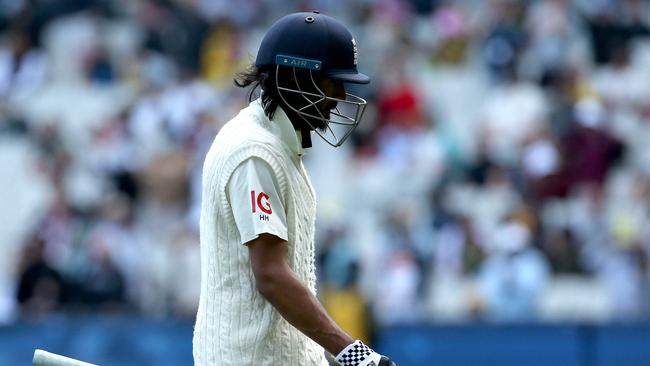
{"x": 302, "y": 310}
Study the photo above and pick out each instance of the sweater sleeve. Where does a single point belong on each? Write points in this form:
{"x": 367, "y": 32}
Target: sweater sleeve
{"x": 255, "y": 199}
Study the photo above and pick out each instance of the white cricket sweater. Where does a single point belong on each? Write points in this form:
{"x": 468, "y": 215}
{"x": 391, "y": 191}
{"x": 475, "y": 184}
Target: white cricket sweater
{"x": 235, "y": 325}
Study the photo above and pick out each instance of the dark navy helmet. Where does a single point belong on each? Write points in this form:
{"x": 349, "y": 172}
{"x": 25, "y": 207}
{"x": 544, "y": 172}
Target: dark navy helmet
{"x": 312, "y": 41}
{"x": 322, "y": 46}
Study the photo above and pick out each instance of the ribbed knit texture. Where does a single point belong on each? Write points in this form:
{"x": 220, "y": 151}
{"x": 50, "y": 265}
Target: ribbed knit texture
{"x": 235, "y": 325}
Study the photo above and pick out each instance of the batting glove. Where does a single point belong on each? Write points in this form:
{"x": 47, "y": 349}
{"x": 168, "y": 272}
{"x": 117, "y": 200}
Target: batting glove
{"x": 358, "y": 354}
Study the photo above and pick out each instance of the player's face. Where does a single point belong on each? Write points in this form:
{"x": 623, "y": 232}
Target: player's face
{"x": 332, "y": 89}
{"x": 311, "y": 104}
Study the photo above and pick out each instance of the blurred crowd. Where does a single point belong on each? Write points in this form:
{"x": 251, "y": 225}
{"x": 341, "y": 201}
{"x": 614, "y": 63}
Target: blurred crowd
{"x": 501, "y": 172}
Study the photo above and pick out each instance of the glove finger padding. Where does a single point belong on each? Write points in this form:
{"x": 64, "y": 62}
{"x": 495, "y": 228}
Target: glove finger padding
{"x": 374, "y": 359}
{"x": 385, "y": 361}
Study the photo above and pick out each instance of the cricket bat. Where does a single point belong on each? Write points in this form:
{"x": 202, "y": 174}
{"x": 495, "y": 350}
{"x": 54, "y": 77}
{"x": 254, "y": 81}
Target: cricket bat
{"x": 44, "y": 358}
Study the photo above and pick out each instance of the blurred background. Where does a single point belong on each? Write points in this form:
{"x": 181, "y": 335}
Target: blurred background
{"x": 493, "y": 207}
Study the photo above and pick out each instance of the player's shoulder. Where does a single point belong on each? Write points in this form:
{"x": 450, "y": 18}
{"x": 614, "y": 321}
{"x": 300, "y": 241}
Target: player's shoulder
{"x": 247, "y": 130}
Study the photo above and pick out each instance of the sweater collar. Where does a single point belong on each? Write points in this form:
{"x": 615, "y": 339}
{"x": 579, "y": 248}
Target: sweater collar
{"x": 281, "y": 127}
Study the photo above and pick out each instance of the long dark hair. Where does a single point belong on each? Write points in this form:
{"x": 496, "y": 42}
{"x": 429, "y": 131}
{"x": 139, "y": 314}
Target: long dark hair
{"x": 261, "y": 81}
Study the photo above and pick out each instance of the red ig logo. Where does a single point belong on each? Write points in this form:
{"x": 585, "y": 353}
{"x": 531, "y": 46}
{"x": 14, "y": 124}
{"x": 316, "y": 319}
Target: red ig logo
{"x": 260, "y": 200}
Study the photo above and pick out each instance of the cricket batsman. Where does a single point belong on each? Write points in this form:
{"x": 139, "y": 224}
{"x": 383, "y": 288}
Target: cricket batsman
{"x": 258, "y": 305}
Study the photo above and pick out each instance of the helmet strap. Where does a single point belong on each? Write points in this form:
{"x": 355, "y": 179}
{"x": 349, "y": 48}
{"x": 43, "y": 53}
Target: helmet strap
{"x": 305, "y": 135}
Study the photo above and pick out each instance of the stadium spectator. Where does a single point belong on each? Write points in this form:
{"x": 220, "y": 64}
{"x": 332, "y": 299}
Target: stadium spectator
{"x": 513, "y": 275}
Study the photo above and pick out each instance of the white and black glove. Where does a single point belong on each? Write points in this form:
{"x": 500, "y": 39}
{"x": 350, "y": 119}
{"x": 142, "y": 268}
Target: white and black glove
{"x": 358, "y": 354}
